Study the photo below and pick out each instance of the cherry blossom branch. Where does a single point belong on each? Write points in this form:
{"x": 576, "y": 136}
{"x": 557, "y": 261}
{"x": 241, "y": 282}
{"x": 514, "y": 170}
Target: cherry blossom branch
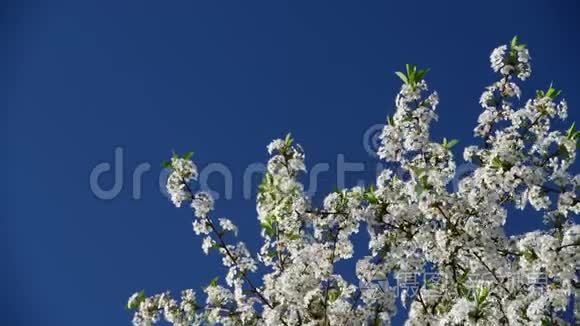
{"x": 233, "y": 258}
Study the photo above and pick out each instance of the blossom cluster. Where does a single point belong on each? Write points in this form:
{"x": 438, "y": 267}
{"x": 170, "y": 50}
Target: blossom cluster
{"x": 416, "y": 225}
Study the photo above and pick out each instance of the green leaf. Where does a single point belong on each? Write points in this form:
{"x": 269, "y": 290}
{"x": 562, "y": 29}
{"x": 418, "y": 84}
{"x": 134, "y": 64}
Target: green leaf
{"x": 481, "y": 295}
{"x": 294, "y": 237}
{"x": 166, "y": 164}
{"x": 545, "y": 322}
{"x": 214, "y": 282}
{"x": 452, "y": 143}
{"x": 551, "y": 92}
{"x": 265, "y": 225}
{"x": 140, "y": 298}
{"x": 174, "y": 155}
{"x": 417, "y": 170}
{"x": 421, "y": 74}
{"x": 571, "y": 131}
{"x": 333, "y": 294}
{"x": 266, "y": 184}
{"x": 187, "y": 155}
{"x": 390, "y": 120}
{"x": 272, "y": 253}
{"x": 288, "y": 140}
{"x": 268, "y": 225}
{"x": 449, "y": 144}
{"x": 514, "y": 42}
{"x": 496, "y": 163}
{"x": 402, "y": 77}
{"x": 370, "y": 196}
{"x": 424, "y": 182}
{"x": 530, "y": 255}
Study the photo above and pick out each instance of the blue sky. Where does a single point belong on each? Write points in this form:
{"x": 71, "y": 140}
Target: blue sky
{"x": 81, "y": 78}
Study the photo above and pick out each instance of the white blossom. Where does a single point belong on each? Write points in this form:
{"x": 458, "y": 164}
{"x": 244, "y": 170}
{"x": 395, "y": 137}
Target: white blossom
{"x": 418, "y": 225}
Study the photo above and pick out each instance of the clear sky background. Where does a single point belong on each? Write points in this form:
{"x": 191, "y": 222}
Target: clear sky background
{"x": 81, "y": 78}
